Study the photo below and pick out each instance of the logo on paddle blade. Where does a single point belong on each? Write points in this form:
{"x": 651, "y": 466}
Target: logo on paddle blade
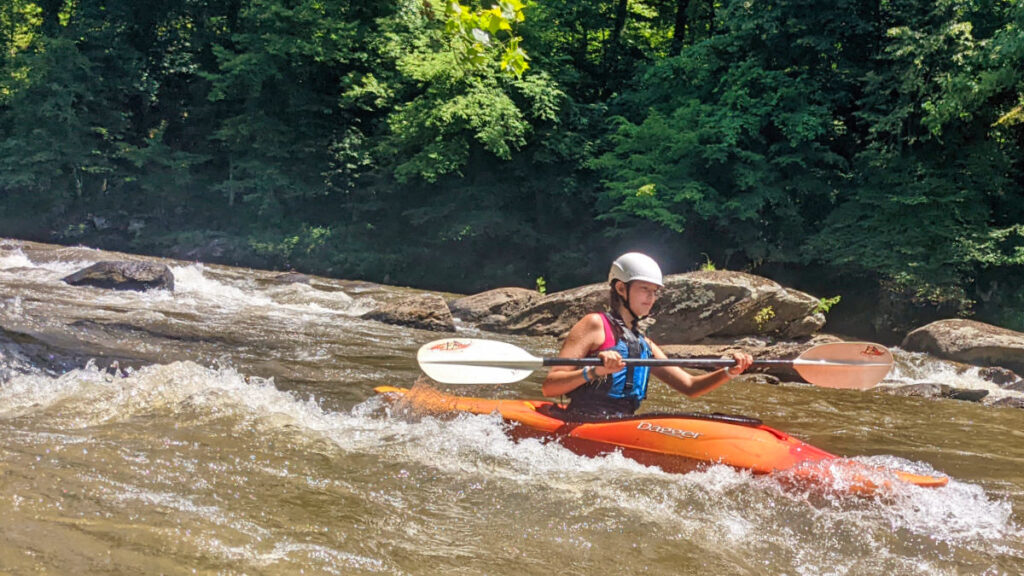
{"x": 872, "y": 351}
{"x": 450, "y": 346}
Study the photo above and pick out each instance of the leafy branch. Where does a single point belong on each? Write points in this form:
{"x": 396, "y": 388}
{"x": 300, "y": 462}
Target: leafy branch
{"x": 482, "y": 37}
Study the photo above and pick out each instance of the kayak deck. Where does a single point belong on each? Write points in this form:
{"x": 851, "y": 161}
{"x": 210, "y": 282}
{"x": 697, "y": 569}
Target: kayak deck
{"x": 677, "y": 442}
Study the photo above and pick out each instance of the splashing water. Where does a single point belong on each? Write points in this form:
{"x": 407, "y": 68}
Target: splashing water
{"x": 203, "y": 462}
{"x": 173, "y": 422}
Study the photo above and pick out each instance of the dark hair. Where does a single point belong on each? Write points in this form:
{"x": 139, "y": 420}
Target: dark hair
{"x": 613, "y": 297}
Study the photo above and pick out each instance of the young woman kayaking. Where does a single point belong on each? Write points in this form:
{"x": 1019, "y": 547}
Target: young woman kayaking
{"x": 614, "y": 389}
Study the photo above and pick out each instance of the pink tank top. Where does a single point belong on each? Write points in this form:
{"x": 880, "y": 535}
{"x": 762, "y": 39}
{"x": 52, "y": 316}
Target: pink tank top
{"x": 609, "y": 335}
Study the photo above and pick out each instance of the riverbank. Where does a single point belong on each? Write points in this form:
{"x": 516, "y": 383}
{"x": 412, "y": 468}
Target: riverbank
{"x": 703, "y": 314}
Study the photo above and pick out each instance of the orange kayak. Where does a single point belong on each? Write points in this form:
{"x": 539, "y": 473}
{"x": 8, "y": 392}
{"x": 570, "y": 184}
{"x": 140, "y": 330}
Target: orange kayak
{"x": 678, "y": 442}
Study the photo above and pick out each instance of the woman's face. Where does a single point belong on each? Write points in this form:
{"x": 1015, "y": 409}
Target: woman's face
{"x": 642, "y": 295}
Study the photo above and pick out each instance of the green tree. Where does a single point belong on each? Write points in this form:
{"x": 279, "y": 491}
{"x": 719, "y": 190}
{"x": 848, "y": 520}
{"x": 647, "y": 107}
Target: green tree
{"x": 61, "y": 134}
{"x": 743, "y": 138}
{"x": 277, "y": 86}
{"x": 927, "y": 206}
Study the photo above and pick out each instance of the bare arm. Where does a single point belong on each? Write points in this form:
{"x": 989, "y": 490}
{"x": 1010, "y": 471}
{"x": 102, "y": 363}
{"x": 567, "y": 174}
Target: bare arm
{"x": 694, "y": 386}
{"x": 586, "y": 335}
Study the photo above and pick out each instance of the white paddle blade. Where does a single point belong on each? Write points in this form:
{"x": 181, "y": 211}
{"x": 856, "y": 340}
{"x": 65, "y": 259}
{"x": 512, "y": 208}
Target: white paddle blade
{"x": 850, "y": 365}
{"x": 471, "y": 361}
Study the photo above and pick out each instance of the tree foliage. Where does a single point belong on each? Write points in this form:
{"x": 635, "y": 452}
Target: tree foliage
{"x": 463, "y": 145}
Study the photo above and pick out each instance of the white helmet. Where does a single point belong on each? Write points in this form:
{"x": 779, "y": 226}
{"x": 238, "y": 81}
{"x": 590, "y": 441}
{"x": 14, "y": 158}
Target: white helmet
{"x": 635, "y": 266}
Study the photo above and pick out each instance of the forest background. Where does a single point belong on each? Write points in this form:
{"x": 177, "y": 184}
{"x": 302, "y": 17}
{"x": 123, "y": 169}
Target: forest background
{"x": 865, "y": 149}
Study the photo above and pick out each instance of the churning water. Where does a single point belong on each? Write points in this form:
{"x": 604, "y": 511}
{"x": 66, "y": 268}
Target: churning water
{"x": 240, "y": 434}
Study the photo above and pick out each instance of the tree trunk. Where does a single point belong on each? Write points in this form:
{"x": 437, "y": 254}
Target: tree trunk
{"x": 620, "y": 20}
{"x": 612, "y": 50}
{"x": 679, "y": 31}
{"x": 51, "y": 16}
{"x": 231, "y": 181}
{"x": 581, "y": 60}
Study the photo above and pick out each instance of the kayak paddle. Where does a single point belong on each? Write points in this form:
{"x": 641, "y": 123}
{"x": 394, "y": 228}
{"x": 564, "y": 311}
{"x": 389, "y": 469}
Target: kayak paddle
{"x": 852, "y": 365}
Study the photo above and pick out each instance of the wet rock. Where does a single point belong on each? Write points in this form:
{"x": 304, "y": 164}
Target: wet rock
{"x": 969, "y": 341}
{"x": 758, "y": 348}
{"x": 921, "y": 390}
{"x": 695, "y": 306}
{"x": 1010, "y": 401}
{"x": 555, "y": 314}
{"x": 493, "y": 306}
{"x": 936, "y": 390}
{"x": 1006, "y": 379}
{"x": 720, "y": 303}
{"x": 291, "y": 278}
{"x": 124, "y": 275}
{"x": 763, "y": 349}
{"x": 1002, "y": 377}
{"x": 767, "y": 379}
{"x": 1017, "y": 386}
{"x": 424, "y": 311}
{"x": 967, "y": 394}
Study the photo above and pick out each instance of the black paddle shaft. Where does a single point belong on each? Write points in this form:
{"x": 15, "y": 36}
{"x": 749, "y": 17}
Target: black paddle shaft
{"x": 655, "y": 362}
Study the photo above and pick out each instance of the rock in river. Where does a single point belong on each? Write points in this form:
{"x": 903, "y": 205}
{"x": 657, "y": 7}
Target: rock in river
{"x": 694, "y": 306}
{"x": 124, "y": 275}
{"x": 417, "y": 310}
{"x": 969, "y": 341}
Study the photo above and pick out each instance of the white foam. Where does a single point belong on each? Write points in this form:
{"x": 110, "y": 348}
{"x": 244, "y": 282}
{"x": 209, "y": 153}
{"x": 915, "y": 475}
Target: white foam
{"x": 917, "y": 368}
{"x": 14, "y": 259}
{"x": 17, "y": 261}
{"x": 192, "y": 281}
{"x": 334, "y": 561}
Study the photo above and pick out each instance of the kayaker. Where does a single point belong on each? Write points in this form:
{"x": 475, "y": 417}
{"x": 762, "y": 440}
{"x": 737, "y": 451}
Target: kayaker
{"x": 614, "y": 389}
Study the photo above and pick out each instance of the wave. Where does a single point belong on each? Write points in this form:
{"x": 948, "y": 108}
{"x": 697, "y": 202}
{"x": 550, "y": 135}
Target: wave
{"x": 741, "y": 505}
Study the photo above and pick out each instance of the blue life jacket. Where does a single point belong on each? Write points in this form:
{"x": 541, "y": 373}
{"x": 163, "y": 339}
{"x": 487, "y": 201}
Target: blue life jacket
{"x": 621, "y": 392}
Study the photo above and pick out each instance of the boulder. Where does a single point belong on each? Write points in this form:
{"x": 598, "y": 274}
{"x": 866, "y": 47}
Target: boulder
{"x": 936, "y": 390}
{"x": 921, "y": 390}
{"x": 1009, "y": 401}
{"x": 425, "y": 311}
{"x": 1017, "y": 386}
{"x": 1006, "y": 379}
{"x": 756, "y": 347}
{"x": 124, "y": 275}
{"x": 554, "y": 314}
{"x": 501, "y": 302}
{"x": 728, "y": 304}
{"x": 967, "y": 394}
{"x": 969, "y": 341}
{"x": 695, "y": 306}
{"x": 291, "y": 277}
{"x": 765, "y": 379}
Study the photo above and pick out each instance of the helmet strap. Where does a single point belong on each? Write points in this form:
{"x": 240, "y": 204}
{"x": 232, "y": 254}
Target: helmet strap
{"x": 636, "y": 317}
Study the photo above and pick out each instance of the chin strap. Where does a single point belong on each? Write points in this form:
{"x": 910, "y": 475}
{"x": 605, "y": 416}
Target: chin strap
{"x": 636, "y": 317}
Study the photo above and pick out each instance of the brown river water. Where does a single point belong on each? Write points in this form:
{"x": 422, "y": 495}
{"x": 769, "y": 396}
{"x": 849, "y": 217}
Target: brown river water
{"x": 241, "y": 435}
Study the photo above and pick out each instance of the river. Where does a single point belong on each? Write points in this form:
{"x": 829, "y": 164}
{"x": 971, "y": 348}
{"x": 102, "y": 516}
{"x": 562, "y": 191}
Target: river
{"x": 240, "y": 434}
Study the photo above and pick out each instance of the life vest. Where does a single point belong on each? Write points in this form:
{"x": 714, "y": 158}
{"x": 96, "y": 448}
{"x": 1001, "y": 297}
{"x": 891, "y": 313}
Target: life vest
{"x": 621, "y": 392}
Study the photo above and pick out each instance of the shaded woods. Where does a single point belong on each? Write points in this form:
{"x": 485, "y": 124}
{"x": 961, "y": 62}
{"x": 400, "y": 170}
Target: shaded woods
{"x": 869, "y": 150}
